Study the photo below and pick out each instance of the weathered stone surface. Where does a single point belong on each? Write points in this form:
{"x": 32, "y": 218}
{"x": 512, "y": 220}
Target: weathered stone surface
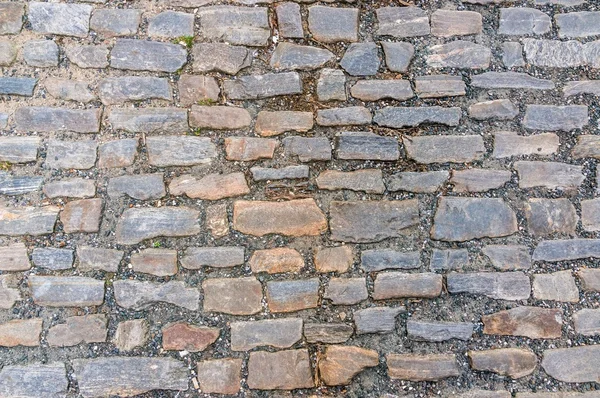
{"x": 508, "y": 143}
{"x": 263, "y": 86}
{"x": 236, "y": 296}
{"x": 82, "y": 216}
{"x": 331, "y": 85}
{"x": 236, "y": 25}
{"x": 9, "y": 293}
{"x": 419, "y": 182}
{"x": 447, "y": 23}
{"x": 361, "y": 59}
{"x": 171, "y": 24}
{"x": 138, "y": 295}
{"x": 398, "y": 117}
{"x": 368, "y": 180}
{"x": 137, "y": 186}
{"x": 497, "y": 285}
{"x": 249, "y": 148}
{"x": 333, "y": 259}
{"x": 590, "y": 214}
{"x": 375, "y": 260}
{"x": 366, "y": 146}
{"x": 587, "y": 322}
{"x": 69, "y": 90}
{"x": 591, "y": 87}
{"x": 22, "y": 86}
{"x": 511, "y": 362}
{"x": 512, "y": 54}
{"x": 567, "y": 249}
{"x": 346, "y": 291}
{"x": 14, "y": 257}
{"x": 373, "y": 90}
{"x": 523, "y": 21}
{"x": 19, "y": 149}
{"x": 422, "y": 367}
{"x": 485, "y": 393}
{"x": 290, "y": 56}
{"x": 78, "y": 329}
{"x": 293, "y": 218}
{"x": 152, "y": 56}
{"x": 68, "y": 291}
{"x": 402, "y": 22}
{"x": 92, "y": 258}
{"x": 560, "y": 54}
{"x": 444, "y": 148}
{"x": 12, "y": 18}
{"x": 210, "y": 187}
{"x": 105, "y": 376}
{"x": 283, "y": 370}
{"x": 327, "y": 333}
{"x": 308, "y": 149}
{"x": 376, "y": 319}
{"x": 8, "y": 52}
{"x": 578, "y": 24}
{"x": 479, "y": 180}
{"x": 149, "y": 120}
{"x": 403, "y": 285}
{"x": 218, "y": 257}
{"x": 274, "y": 123}
{"x": 459, "y": 54}
{"x": 60, "y": 18}
{"x": 531, "y": 322}
{"x": 219, "y": 117}
{"x": 557, "y": 286}
{"x": 551, "y": 175}
{"x": 217, "y": 220}
{"x": 131, "y": 334}
{"x": 510, "y": 80}
{"x": 88, "y": 56}
{"x": 330, "y": 25}
{"x": 52, "y": 258}
{"x": 179, "y": 150}
{"x": 278, "y": 260}
{"x": 118, "y": 153}
{"x": 398, "y": 55}
{"x": 223, "y": 58}
{"x": 159, "y": 262}
{"x": 462, "y": 219}
{"x": 220, "y": 376}
{"x": 451, "y": 259}
{"x": 184, "y": 336}
{"x": 138, "y": 224}
{"x": 47, "y": 120}
{"x": 28, "y": 220}
{"x": 289, "y": 20}
{"x": 339, "y": 364}
{"x": 34, "y": 380}
{"x": 371, "y": 221}
{"x": 587, "y": 146}
{"x": 501, "y": 109}
{"x": 197, "y": 89}
{"x": 347, "y": 116}
{"x": 12, "y": 185}
{"x": 292, "y": 295}
{"x": 573, "y": 365}
{"x": 436, "y": 86}
{"x": 117, "y": 90}
{"x": 20, "y": 332}
{"x": 508, "y": 257}
{"x": 288, "y": 172}
{"x": 548, "y": 216}
{"x": 438, "y": 331}
{"x": 278, "y": 333}
{"x": 555, "y": 118}
{"x": 115, "y": 22}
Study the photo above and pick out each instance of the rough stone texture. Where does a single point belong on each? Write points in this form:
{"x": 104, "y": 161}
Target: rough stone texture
{"x": 118, "y": 153}
{"x": 361, "y": 59}
{"x": 327, "y": 333}
{"x": 590, "y": 214}
{"x": 339, "y": 364}
{"x": 459, "y": 54}
{"x": 435, "y": 86}
{"x": 508, "y": 257}
{"x": 548, "y": 216}
{"x": 68, "y": 291}
{"x": 308, "y": 149}
{"x": 292, "y": 295}
{"x": 283, "y": 370}
{"x": 159, "y": 262}
{"x": 217, "y": 220}
{"x": 28, "y": 220}
{"x": 131, "y": 334}
{"x": 588, "y": 146}
{"x": 8, "y": 53}
{"x": 279, "y": 333}
{"x": 512, "y": 54}
{"x": 582, "y": 87}
{"x": 184, "y": 336}
{"x": 117, "y": 22}
{"x": 398, "y": 55}
{"x": 235, "y": 25}
{"x": 330, "y": 25}
{"x": 210, "y": 187}
{"x": 249, "y": 148}
{"x": 376, "y": 319}
{"x": 88, "y": 56}
{"x": 78, "y": 329}
{"x": 444, "y": 148}
{"x": 9, "y": 294}
{"x": 558, "y": 286}
{"x": 139, "y": 186}
{"x": 587, "y": 322}
{"x": 331, "y": 85}
{"x": 34, "y": 380}
{"x": 219, "y": 117}
{"x": 59, "y": 18}
{"x": 17, "y": 86}
{"x": 578, "y": 24}
{"x": 346, "y": 291}
{"x": 71, "y": 154}
{"x": 451, "y": 259}
{"x": 373, "y": 90}
{"x": 149, "y": 120}
{"x": 179, "y": 150}
{"x": 446, "y": 23}
{"x": 429, "y": 367}
{"x": 560, "y": 54}
{"x": 555, "y": 118}
{"x": 497, "y": 285}
{"x": 369, "y": 180}
{"x": 551, "y": 175}
{"x": 511, "y": 362}
{"x": 508, "y": 144}
{"x": 220, "y": 376}
{"x": 239, "y": 296}
{"x": 136, "y": 225}
{"x": 171, "y": 24}
{"x": 263, "y": 86}
{"x": 218, "y": 257}
{"x": 274, "y": 261}
{"x": 197, "y": 89}
{"x": 379, "y": 260}
{"x": 572, "y": 365}
{"x": 12, "y": 18}
{"x": 333, "y": 259}
{"x": 92, "y": 258}
{"x": 531, "y": 322}
{"x": 479, "y": 180}
{"x": 400, "y": 285}
{"x": 438, "y": 331}
{"x": 402, "y": 22}
{"x": 284, "y": 173}
{"x": 46, "y": 119}
{"x": 117, "y": 90}
{"x": 146, "y": 55}
{"x": 565, "y": 249}
{"x": 511, "y": 80}
{"x": 224, "y": 58}
{"x": 348, "y": 116}
{"x": 290, "y": 56}
{"x": 289, "y": 20}
{"x": 82, "y": 216}
{"x": 496, "y": 109}
{"x": 419, "y": 182}
{"x": 275, "y": 123}
{"x": 51, "y": 258}
{"x": 19, "y": 149}
{"x": 523, "y": 21}
{"x": 366, "y": 146}
{"x": 14, "y": 257}
{"x": 413, "y": 116}
{"x": 138, "y": 295}
{"x": 20, "y": 332}
{"x": 69, "y": 90}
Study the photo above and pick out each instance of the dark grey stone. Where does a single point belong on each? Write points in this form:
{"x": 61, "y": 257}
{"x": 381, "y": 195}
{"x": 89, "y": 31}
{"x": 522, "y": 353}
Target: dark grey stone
{"x": 548, "y": 216}
{"x": 70, "y": 188}
{"x": 380, "y": 259}
{"x": 217, "y": 257}
{"x": 496, "y": 285}
{"x": 376, "y": 319}
{"x": 88, "y": 56}
{"x": 398, "y": 55}
{"x": 290, "y": 56}
{"x": 348, "y": 116}
{"x": 138, "y": 295}
{"x": 444, "y": 148}
{"x": 330, "y": 25}
{"x": 246, "y": 26}
{"x": 566, "y": 249}
{"x": 366, "y": 146}
{"x": 289, "y": 20}
{"x": 116, "y": 22}
{"x": 60, "y": 18}
{"x": 34, "y": 380}
{"x": 278, "y": 333}
{"x": 450, "y": 259}
{"x": 138, "y": 224}
{"x": 179, "y": 150}
{"x": 510, "y": 80}
{"x": 346, "y": 291}
{"x": 50, "y": 120}
{"x": 438, "y": 331}
{"x": 555, "y": 118}
{"x": 171, "y": 24}
{"x": 308, "y": 149}
{"x": 17, "y": 86}
{"x": 40, "y": 53}
{"x": 361, "y": 59}
{"x": 71, "y": 154}
{"x": 331, "y": 85}
{"x": 374, "y": 90}
{"x": 152, "y": 56}
{"x": 397, "y": 117}
{"x": 18, "y": 185}
{"x": 419, "y": 182}
{"x": 149, "y": 120}
{"x": 117, "y": 90}
{"x": 508, "y": 257}
{"x": 66, "y": 291}
{"x": 263, "y": 86}
{"x": 551, "y": 175}
{"x": 52, "y": 259}
{"x": 138, "y": 186}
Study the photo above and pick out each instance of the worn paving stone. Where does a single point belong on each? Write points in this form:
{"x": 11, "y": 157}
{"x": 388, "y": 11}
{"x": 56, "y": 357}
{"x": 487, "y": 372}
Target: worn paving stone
{"x": 220, "y": 376}
{"x": 277, "y": 260}
{"x": 288, "y": 172}
{"x": 398, "y": 117}
{"x": 292, "y": 218}
{"x": 419, "y": 182}
{"x": 578, "y": 24}
{"x": 138, "y": 186}
{"x": 224, "y": 58}
{"x": 28, "y": 220}
{"x": 8, "y": 52}
{"x": 115, "y": 22}
{"x": 210, "y": 187}
{"x": 9, "y": 293}
{"x": 398, "y": 55}
{"x": 590, "y": 214}
{"x": 278, "y": 333}
{"x": 197, "y": 89}
{"x": 508, "y": 144}
{"x": 131, "y": 334}
{"x": 557, "y": 286}
{"x": 591, "y": 87}
{"x": 12, "y": 18}
{"x": 290, "y": 56}
{"x": 19, "y": 149}
{"x": 263, "y": 86}
{"x": 333, "y": 259}
{"x": 78, "y": 329}
{"x": 572, "y": 365}
{"x": 20, "y": 332}
{"x": 217, "y": 220}
{"x": 366, "y": 146}
{"x": 526, "y": 321}
{"x": 218, "y": 257}
{"x": 451, "y": 259}
{"x": 283, "y": 370}
{"x": 69, "y": 90}
{"x": 555, "y": 118}
{"x": 376, "y": 319}
{"x": 249, "y": 148}
{"x": 374, "y": 90}
{"x": 550, "y": 175}
{"x": 462, "y": 219}
{"x": 508, "y": 257}
{"x": 560, "y": 54}
{"x": 523, "y": 21}
{"x": 93, "y": 258}
{"x": 502, "y": 109}
{"x": 14, "y": 257}
{"x": 447, "y": 23}
{"x": 416, "y": 367}
{"x": 436, "y": 86}
{"x": 292, "y": 295}
{"x": 34, "y": 380}
{"x": 88, "y": 56}
{"x": 330, "y": 25}
{"x": 438, "y": 331}
{"x": 52, "y": 258}
{"x": 219, "y": 117}
{"x": 346, "y": 291}
{"x": 375, "y": 260}
{"x": 566, "y": 249}
{"x": 459, "y": 54}
{"x": 137, "y": 295}
{"x": 361, "y": 59}
{"x": 235, "y": 296}
{"x": 403, "y": 285}
{"x": 159, "y": 262}
{"x": 12, "y": 185}
{"x": 22, "y": 86}
{"x": 153, "y": 56}
{"x": 67, "y": 291}
{"x": 308, "y": 149}
{"x": 497, "y": 285}
{"x": 117, "y": 153}
{"x": 588, "y": 146}
{"x": 371, "y": 221}
{"x": 235, "y": 25}
{"x": 117, "y": 90}
{"x": 512, "y": 54}
{"x": 587, "y": 322}
{"x": 479, "y": 180}
{"x": 367, "y": 180}
{"x": 171, "y": 24}
{"x": 59, "y": 18}
{"x": 486, "y": 393}
{"x": 149, "y": 120}
{"x": 138, "y": 224}
{"x": 548, "y": 216}
{"x": 511, "y": 362}
{"x": 179, "y": 150}
{"x": 82, "y": 215}
{"x": 510, "y": 80}
{"x": 401, "y": 22}
{"x": 269, "y": 123}
{"x": 289, "y": 20}
{"x": 327, "y": 333}
{"x": 331, "y": 85}
{"x": 47, "y": 119}
{"x": 105, "y": 376}
{"x": 184, "y": 336}
{"x": 339, "y": 364}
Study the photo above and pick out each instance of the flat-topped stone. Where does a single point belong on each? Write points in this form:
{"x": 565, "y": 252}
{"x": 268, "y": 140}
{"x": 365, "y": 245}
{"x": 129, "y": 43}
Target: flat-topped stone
{"x": 278, "y": 333}
{"x": 78, "y": 329}
{"x": 219, "y": 257}
{"x": 117, "y": 90}
{"x": 66, "y": 291}
{"x": 115, "y": 22}
{"x": 20, "y": 332}
{"x": 510, "y": 80}
{"x": 416, "y": 367}
{"x": 519, "y": 21}
{"x": 210, "y": 187}
{"x": 527, "y": 321}
{"x": 290, "y": 56}
{"x": 438, "y": 86}
{"x": 447, "y": 23}
{"x": 444, "y": 148}
{"x": 277, "y": 260}
{"x": 245, "y": 26}
{"x": 402, "y": 22}
{"x": 339, "y": 364}
{"x": 139, "y": 295}
{"x": 398, "y": 117}
{"x": 508, "y": 257}
{"x": 22, "y": 86}
{"x": 374, "y": 260}
{"x": 551, "y": 175}
{"x": 224, "y": 58}
{"x": 366, "y": 146}
{"x": 376, "y": 319}
{"x": 269, "y": 123}
{"x": 19, "y": 149}
{"x": 138, "y": 224}
{"x": 153, "y": 56}
{"x": 508, "y": 144}
{"x": 330, "y": 24}
{"x": 282, "y": 370}
{"x": 389, "y": 285}
{"x": 438, "y": 331}
{"x": 185, "y": 336}
{"x": 479, "y": 180}
{"x": 292, "y": 295}
{"x": 497, "y": 285}
{"x": 47, "y": 119}
{"x": 578, "y": 24}
{"x": 459, "y": 54}
{"x": 235, "y": 296}
{"x": 373, "y": 90}
{"x": 138, "y": 186}
{"x": 555, "y": 118}
{"x": 572, "y": 365}
{"x": 52, "y": 258}
{"x": 34, "y": 380}
{"x": 60, "y": 18}
{"x": 28, "y": 220}
{"x": 219, "y": 117}
{"x": 419, "y": 182}
{"x": 511, "y": 362}
{"x": 367, "y": 180}
{"x": 263, "y": 86}
{"x": 179, "y": 150}
{"x": 149, "y": 120}
{"x": 12, "y": 18}
{"x": 93, "y": 258}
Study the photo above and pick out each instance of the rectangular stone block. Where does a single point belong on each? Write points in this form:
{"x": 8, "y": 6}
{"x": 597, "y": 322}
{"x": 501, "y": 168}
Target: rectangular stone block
{"x": 403, "y": 285}
{"x": 496, "y": 285}
{"x": 19, "y": 149}
{"x": 263, "y": 86}
{"x": 180, "y": 150}
{"x": 66, "y": 291}
{"x": 366, "y": 146}
{"x": 28, "y": 220}
{"x": 149, "y": 120}
{"x": 50, "y": 120}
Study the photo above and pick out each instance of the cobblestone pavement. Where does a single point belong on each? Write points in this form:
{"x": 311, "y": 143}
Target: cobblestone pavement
{"x": 354, "y": 199}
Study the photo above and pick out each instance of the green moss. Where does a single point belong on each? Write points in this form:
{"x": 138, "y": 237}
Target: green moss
{"x": 187, "y": 41}
{"x": 206, "y": 101}
{"x": 196, "y": 132}
{"x": 5, "y": 166}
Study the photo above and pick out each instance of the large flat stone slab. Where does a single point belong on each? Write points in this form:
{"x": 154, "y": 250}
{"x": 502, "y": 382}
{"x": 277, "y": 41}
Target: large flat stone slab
{"x": 416, "y": 367}
{"x": 573, "y": 365}
{"x": 28, "y": 220}
{"x": 153, "y": 56}
{"x": 244, "y": 26}
{"x": 555, "y": 118}
{"x": 444, "y": 148}
{"x": 60, "y": 18}
{"x": 138, "y": 224}
{"x": 180, "y": 150}
{"x": 398, "y": 117}
{"x": 263, "y": 86}
{"x": 48, "y": 120}
{"x": 34, "y": 380}
{"x": 497, "y": 285}
{"x": 66, "y": 291}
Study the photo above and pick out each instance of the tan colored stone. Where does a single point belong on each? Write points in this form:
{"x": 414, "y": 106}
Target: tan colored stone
{"x": 9, "y": 293}
{"x": 82, "y": 216}
{"x": 278, "y": 333}
{"x": 334, "y": 259}
{"x": 159, "y": 262}
{"x": 219, "y": 117}
{"x": 24, "y": 332}
{"x": 273, "y": 261}
{"x": 14, "y": 258}
{"x": 131, "y": 334}
{"x": 236, "y": 296}
{"x": 184, "y": 336}
{"x": 339, "y": 364}
{"x": 558, "y": 286}
{"x": 275, "y": 123}
{"x": 248, "y": 148}
{"x": 415, "y": 367}
{"x": 512, "y": 362}
{"x": 220, "y": 376}
{"x": 590, "y": 279}
{"x": 368, "y": 180}
{"x": 403, "y": 285}
{"x": 196, "y": 89}
{"x": 217, "y": 220}
{"x": 210, "y": 187}
{"x": 283, "y": 370}
{"x": 532, "y": 322}
{"x": 77, "y": 330}
{"x": 509, "y": 143}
